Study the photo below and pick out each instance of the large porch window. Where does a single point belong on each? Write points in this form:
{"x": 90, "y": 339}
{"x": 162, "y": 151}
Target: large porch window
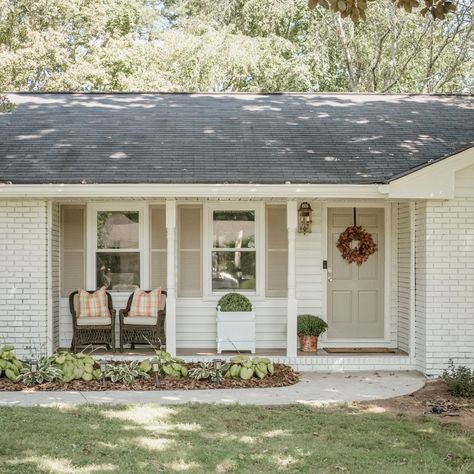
{"x": 234, "y": 249}
{"x": 118, "y": 250}
{"x": 117, "y": 244}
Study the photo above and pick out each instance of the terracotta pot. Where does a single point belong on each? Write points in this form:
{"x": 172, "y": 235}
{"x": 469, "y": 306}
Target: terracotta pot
{"x": 309, "y": 343}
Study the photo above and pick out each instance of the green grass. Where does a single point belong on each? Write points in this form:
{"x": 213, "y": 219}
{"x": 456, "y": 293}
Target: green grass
{"x": 204, "y": 438}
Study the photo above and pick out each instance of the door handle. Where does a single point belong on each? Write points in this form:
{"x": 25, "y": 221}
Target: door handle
{"x": 329, "y": 279}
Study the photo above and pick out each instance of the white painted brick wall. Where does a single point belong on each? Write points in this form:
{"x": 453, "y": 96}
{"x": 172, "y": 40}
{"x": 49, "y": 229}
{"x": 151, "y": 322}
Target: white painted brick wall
{"x": 23, "y": 275}
{"x": 445, "y": 284}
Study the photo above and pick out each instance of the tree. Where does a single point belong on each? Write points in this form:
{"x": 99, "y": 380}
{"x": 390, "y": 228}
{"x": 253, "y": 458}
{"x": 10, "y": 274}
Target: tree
{"x": 230, "y": 45}
{"x": 356, "y": 9}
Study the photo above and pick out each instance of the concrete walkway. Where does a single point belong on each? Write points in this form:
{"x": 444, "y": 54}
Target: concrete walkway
{"x": 313, "y": 389}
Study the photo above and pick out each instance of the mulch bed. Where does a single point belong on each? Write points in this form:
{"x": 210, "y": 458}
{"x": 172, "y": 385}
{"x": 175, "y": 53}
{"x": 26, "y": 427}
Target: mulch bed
{"x": 432, "y": 400}
{"x": 282, "y": 377}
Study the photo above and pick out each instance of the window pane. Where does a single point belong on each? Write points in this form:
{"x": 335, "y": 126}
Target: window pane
{"x": 118, "y": 271}
{"x": 117, "y": 230}
{"x": 233, "y": 270}
{"x": 234, "y": 229}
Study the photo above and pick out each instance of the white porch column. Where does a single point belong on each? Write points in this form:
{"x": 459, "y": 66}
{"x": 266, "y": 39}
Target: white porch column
{"x": 170, "y": 322}
{"x": 291, "y": 333}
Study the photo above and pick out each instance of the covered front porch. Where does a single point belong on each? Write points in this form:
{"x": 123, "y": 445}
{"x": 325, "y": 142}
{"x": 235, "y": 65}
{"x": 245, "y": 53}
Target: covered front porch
{"x": 289, "y": 273}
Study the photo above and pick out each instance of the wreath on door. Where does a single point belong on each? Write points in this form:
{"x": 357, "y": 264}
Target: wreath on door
{"x": 356, "y": 244}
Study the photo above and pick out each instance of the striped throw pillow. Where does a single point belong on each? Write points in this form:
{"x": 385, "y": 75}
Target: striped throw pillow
{"x": 145, "y": 304}
{"x": 92, "y": 305}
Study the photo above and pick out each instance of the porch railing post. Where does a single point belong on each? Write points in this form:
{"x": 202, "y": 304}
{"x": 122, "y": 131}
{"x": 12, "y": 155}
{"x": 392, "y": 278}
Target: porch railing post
{"x": 170, "y": 322}
{"x": 292, "y": 219}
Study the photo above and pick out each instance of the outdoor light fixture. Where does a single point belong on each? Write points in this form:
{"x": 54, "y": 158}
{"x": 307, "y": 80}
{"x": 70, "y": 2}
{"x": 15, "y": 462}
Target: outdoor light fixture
{"x": 217, "y": 367}
{"x": 103, "y": 368}
{"x": 34, "y": 366}
{"x": 156, "y": 370}
{"x": 305, "y": 218}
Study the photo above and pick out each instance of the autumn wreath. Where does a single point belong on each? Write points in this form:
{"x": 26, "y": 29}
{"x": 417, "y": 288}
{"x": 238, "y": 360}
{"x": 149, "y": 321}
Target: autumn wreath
{"x": 362, "y": 251}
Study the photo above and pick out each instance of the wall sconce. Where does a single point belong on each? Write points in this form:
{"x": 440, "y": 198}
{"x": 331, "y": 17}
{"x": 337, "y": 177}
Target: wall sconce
{"x": 305, "y": 218}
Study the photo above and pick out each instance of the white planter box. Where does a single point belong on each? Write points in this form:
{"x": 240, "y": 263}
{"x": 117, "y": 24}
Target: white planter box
{"x": 235, "y": 331}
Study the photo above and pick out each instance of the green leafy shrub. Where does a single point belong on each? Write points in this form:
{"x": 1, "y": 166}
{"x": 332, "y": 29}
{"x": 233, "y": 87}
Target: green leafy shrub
{"x": 75, "y": 366}
{"x": 244, "y": 367}
{"x": 10, "y": 366}
{"x": 46, "y": 372}
{"x": 234, "y": 302}
{"x": 460, "y": 380}
{"x": 169, "y": 365}
{"x": 310, "y": 325}
{"x": 206, "y": 370}
{"x": 125, "y": 372}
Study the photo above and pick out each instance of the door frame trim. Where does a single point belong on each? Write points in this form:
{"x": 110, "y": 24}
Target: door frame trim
{"x": 387, "y": 293}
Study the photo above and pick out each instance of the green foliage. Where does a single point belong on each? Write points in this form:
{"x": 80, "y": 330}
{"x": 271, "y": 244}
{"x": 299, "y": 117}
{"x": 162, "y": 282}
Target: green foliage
{"x": 125, "y": 372}
{"x": 75, "y": 366}
{"x": 206, "y": 370}
{"x": 228, "y": 438}
{"x": 46, "y": 372}
{"x": 310, "y": 325}
{"x": 10, "y": 366}
{"x": 460, "y": 380}
{"x": 234, "y": 302}
{"x": 169, "y": 365}
{"x": 231, "y": 45}
{"x": 6, "y": 105}
{"x": 245, "y": 367}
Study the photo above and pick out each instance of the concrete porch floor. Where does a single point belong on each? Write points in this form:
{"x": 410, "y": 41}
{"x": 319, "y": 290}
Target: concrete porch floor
{"x": 210, "y": 352}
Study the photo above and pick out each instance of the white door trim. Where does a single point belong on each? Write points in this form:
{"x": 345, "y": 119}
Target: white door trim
{"x": 360, "y": 342}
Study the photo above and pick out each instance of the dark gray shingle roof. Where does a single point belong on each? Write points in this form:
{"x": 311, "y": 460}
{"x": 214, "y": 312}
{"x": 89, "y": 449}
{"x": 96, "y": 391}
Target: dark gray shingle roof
{"x": 234, "y": 138}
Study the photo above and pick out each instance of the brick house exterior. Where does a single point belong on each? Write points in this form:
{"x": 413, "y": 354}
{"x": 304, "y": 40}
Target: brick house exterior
{"x": 429, "y": 236}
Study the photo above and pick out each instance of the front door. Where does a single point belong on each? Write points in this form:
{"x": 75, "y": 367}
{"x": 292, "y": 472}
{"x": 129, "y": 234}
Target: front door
{"x": 355, "y": 293}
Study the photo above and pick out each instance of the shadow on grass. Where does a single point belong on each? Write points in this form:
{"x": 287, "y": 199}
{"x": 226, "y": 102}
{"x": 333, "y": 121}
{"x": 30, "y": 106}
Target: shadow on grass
{"x": 205, "y": 438}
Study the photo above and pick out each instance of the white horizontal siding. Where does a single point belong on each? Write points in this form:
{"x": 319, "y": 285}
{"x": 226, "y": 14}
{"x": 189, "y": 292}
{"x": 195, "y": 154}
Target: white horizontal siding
{"x": 464, "y": 182}
{"x": 196, "y": 325}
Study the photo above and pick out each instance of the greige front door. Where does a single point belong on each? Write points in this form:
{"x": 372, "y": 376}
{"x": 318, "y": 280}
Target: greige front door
{"x": 355, "y": 293}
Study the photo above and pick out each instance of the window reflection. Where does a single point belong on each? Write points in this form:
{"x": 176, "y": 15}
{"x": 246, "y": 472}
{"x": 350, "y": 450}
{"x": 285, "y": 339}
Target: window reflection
{"x": 118, "y": 271}
{"x": 117, "y": 230}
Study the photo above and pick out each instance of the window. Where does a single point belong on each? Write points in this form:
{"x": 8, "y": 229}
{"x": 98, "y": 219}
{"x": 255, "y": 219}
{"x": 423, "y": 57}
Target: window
{"x": 234, "y": 250}
{"x": 117, "y": 243}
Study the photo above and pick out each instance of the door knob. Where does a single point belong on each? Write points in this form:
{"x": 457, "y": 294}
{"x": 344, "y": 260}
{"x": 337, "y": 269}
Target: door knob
{"x": 329, "y": 278}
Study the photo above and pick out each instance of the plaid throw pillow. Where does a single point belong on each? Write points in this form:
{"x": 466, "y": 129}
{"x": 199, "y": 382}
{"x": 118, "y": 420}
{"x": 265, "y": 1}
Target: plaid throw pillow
{"x": 145, "y": 304}
{"x": 92, "y": 305}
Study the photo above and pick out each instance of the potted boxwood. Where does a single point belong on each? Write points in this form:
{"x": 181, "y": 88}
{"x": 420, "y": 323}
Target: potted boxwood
{"x": 235, "y": 324}
{"x": 310, "y": 327}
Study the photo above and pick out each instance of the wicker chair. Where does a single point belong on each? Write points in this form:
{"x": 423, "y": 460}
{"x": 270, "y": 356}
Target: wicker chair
{"x": 136, "y": 330}
{"x": 85, "y": 334}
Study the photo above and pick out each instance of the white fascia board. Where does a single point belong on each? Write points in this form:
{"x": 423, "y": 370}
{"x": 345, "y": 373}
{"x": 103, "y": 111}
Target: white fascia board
{"x": 435, "y": 181}
{"x": 212, "y": 191}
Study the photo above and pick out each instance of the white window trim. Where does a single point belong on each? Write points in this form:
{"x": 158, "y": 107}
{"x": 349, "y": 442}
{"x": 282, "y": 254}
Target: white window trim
{"x": 143, "y": 241}
{"x": 209, "y": 208}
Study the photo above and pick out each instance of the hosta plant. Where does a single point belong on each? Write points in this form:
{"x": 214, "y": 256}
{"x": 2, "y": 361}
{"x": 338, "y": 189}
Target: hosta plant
{"x": 10, "y": 366}
{"x": 125, "y": 372}
{"x": 75, "y": 366}
{"x": 169, "y": 365}
{"x": 244, "y": 367}
{"x": 44, "y": 372}
{"x": 206, "y": 370}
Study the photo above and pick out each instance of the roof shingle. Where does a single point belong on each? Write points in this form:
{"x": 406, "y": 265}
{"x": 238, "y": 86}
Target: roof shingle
{"x": 228, "y": 138}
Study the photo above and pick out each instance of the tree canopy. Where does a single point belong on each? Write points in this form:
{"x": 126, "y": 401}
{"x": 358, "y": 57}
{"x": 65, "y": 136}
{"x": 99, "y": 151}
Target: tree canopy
{"x": 232, "y": 45}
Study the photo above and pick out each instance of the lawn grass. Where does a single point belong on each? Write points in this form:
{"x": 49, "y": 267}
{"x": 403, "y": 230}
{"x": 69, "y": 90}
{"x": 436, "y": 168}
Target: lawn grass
{"x": 206, "y": 439}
